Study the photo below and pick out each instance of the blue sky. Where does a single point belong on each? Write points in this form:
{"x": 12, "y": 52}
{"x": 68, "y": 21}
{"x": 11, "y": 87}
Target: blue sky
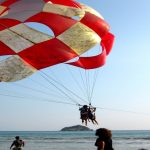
{"x": 123, "y": 84}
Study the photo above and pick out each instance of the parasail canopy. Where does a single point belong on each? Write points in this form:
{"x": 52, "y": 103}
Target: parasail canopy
{"x": 32, "y": 50}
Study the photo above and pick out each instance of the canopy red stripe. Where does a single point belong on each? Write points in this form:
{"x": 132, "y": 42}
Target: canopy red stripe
{"x": 55, "y": 22}
{"x": 5, "y": 50}
{"x": 7, "y": 3}
{"x": 95, "y": 23}
{"x": 71, "y": 3}
{"x": 53, "y": 51}
{"x": 98, "y": 60}
{"x": 47, "y": 53}
{"x": 90, "y": 62}
{"x": 7, "y": 23}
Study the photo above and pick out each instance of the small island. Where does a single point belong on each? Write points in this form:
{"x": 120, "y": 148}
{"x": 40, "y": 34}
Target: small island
{"x": 76, "y": 128}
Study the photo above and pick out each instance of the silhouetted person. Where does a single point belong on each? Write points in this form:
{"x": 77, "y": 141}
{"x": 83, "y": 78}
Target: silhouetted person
{"x": 91, "y": 115}
{"x": 84, "y": 114}
{"x": 17, "y": 144}
{"x": 104, "y": 140}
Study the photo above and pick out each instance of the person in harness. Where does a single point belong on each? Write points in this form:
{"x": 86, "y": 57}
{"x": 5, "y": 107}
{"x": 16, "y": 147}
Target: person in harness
{"x": 91, "y": 114}
{"x": 84, "y": 114}
{"x": 87, "y": 113}
{"x": 17, "y": 144}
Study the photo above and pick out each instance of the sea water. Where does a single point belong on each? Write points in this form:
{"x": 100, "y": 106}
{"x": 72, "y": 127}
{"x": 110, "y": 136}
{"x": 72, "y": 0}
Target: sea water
{"x": 63, "y": 140}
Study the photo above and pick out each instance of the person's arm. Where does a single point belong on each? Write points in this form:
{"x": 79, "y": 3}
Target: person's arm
{"x": 12, "y": 145}
{"x": 94, "y": 109}
{"x": 23, "y": 143}
{"x": 100, "y": 145}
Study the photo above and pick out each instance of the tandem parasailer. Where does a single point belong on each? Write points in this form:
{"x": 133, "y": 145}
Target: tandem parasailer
{"x": 77, "y": 28}
{"x": 87, "y": 113}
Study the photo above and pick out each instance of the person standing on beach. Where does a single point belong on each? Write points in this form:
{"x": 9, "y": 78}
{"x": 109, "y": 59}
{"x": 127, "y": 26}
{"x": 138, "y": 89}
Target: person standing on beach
{"x": 104, "y": 140}
{"x": 17, "y": 144}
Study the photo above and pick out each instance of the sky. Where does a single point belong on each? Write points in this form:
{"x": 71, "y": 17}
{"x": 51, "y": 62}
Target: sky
{"x": 121, "y": 93}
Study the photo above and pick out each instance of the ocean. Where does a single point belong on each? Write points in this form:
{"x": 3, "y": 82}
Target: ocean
{"x": 82, "y": 140}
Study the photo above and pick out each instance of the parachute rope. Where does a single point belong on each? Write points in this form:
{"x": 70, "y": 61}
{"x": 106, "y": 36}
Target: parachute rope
{"x": 54, "y": 101}
{"x": 62, "y": 87}
{"x": 46, "y": 77}
{"x": 94, "y": 83}
{"x": 37, "y": 90}
{"x": 87, "y": 84}
{"x": 40, "y": 84}
{"x": 31, "y": 96}
{"x": 122, "y": 110}
{"x": 36, "y": 98}
{"x": 82, "y": 78}
{"x": 76, "y": 81}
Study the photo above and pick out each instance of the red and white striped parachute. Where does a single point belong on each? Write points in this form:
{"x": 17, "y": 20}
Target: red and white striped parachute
{"x": 32, "y": 50}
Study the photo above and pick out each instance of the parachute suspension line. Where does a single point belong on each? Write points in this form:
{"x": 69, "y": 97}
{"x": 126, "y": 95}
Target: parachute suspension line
{"x": 82, "y": 79}
{"x": 14, "y": 96}
{"x": 121, "y": 110}
{"x": 75, "y": 80}
{"x": 94, "y": 83}
{"x": 46, "y": 77}
{"x": 47, "y": 88}
{"x": 86, "y": 87}
{"x": 30, "y": 96}
{"x": 87, "y": 84}
{"x": 38, "y": 83}
{"x": 54, "y": 101}
{"x": 39, "y": 99}
{"x": 87, "y": 80}
{"x": 54, "y": 78}
{"x": 68, "y": 90}
{"x": 35, "y": 90}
